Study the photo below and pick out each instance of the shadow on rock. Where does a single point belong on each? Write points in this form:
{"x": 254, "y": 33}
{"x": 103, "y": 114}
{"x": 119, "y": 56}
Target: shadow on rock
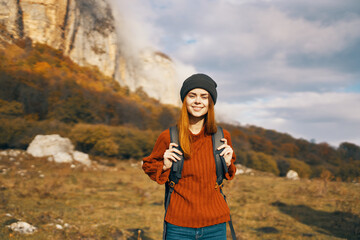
{"x": 337, "y": 224}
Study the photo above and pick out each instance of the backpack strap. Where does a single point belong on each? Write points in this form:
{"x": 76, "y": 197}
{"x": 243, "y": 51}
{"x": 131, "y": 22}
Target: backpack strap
{"x": 175, "y": 173}
{"x": 221, "y": 168}
{"x": 177, "y": 166}
{"x": 220, "y": 163}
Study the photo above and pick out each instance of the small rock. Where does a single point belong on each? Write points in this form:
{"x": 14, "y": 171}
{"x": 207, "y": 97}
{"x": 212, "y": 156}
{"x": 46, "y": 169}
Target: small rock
{"x": 14, "y": 153}
{"x": 58, "y": 226}
{"x": 239, "y": 171}
{"x": 22, "y": 227}
{"x": 22, "y": 172}
{"x": 62, "y": 157}
{"x": 82, "y": 158}
{"x": 248, "y": 170}
{"x": 291, "y": 174}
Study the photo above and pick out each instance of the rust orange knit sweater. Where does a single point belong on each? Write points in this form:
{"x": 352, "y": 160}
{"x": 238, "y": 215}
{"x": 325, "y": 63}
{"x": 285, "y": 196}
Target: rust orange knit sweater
{"x": 195, "y": 202}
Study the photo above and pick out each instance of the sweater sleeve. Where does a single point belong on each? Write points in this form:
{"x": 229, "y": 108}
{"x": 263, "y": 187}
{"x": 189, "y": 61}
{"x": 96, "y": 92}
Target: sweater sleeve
{"x": 153, "y": 164}
{"x": 232, "y": 169}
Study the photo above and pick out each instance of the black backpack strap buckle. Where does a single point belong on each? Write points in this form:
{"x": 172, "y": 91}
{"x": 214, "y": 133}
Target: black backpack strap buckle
{"x": 172, "y": 184}
{"x": 219, "y": 186}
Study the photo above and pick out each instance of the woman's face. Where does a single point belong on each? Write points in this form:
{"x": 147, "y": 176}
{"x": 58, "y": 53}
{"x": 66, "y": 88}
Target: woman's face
{"x": 197, "y": 102}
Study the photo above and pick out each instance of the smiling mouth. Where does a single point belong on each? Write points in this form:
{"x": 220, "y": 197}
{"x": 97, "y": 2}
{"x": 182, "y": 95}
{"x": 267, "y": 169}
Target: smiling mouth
{"x": 197, "y": 108}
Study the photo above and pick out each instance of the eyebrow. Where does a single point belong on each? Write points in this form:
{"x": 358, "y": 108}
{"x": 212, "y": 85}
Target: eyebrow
{"x": 202, "y": 94}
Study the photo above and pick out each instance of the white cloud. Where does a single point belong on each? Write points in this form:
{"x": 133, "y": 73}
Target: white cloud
{"x": 135, "y": 25}
{"x": 279, "y": 64}
{"x": 331, "y": 117}
{"x": 251, "y": 32}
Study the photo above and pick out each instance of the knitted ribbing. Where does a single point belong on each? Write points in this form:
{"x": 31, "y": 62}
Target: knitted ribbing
{"x": 195, "y": 202}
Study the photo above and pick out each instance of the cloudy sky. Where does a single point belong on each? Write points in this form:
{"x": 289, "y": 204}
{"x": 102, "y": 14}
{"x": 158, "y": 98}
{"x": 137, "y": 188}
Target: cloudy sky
{"x": 292, "y": 66}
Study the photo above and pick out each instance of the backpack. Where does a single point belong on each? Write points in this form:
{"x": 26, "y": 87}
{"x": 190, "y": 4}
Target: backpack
{"x": 176, "y": 168}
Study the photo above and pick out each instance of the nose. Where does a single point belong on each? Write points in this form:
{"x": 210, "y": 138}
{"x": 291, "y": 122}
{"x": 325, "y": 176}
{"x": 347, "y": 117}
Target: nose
{"x": 198, "y": 99}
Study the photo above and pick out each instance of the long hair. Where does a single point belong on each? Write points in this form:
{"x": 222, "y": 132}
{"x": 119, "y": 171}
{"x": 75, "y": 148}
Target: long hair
{"x": 184, "y": 124}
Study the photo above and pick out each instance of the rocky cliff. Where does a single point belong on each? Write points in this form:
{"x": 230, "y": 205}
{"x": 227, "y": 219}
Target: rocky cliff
{"x": 85, "y": 30}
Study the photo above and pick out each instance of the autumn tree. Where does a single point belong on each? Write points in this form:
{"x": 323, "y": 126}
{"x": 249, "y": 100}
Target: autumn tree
{"x": 349, "y": 151}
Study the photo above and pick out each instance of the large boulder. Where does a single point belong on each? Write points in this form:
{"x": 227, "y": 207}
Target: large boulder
{"x": 56, "y": 148}
{"x": 49, "y": 145}
{"x": 291, "y": 174}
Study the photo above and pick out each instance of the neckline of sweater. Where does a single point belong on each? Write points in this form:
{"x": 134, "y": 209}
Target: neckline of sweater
{"x": 197, "y": 135}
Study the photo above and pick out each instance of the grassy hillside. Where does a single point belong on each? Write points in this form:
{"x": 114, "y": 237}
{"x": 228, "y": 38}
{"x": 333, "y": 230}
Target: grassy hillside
{"x": 113, "y": 199}
{"x": 44, "y": 92}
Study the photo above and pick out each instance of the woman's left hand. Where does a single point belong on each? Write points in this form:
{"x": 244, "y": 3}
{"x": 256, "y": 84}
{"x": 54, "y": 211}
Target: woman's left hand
{"x": 227, "y": 153}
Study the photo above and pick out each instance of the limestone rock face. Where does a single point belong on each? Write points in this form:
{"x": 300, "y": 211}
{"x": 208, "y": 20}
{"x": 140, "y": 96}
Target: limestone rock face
{"x": 156, "y": 77}
{"x": 85, "y": 31}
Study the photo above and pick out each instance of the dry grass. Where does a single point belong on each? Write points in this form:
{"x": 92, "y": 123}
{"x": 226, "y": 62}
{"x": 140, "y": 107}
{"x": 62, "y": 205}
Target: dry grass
{"x": 113, "y": 202}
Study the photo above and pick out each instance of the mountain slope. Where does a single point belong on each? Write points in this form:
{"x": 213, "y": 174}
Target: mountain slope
{"x": 44, "y": 92}
{"x": 85, "y": 30}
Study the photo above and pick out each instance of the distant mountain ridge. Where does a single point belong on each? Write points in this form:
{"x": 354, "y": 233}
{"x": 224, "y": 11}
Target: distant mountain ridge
{"x": 86, "y": 31}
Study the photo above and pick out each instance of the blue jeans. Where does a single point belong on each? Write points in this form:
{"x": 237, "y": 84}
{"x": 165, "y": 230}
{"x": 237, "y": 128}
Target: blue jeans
{"x": 214, "y": 232}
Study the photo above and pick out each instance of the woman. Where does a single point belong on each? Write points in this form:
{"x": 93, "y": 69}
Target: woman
{"x": 197, "y": 210}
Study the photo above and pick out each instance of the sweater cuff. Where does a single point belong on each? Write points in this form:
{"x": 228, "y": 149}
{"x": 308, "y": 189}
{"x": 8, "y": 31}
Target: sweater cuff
{"x": 162, "y": 176}
{"x": 231, "y": 172}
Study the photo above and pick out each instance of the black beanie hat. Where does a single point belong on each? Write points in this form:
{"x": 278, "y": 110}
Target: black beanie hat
{"x": 199, "y": 80}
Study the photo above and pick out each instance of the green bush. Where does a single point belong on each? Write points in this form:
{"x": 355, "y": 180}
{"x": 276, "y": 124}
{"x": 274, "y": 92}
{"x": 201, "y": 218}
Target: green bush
{"x": 11, "y": 109}
{"x": 349, "y": 171}
{"x": 133, "y": 142}
{"x": 120, "y": 141}
{"x": 300, "y": 167}
{"x": 286, "y": 164}
{"x": 12, "y": 131}
{"x": 106, "y": 147}
{"x": 145, "y": 140}
{"x": 86, "y": 136}
{"x": 262, "y": 162}
{"x": 241, "y": 157}
{"x": 128, "y": 148}
{"x": 19, "y": 132}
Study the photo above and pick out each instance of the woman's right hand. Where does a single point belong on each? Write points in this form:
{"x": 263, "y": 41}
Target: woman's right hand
{"x": 171, "y": 155}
